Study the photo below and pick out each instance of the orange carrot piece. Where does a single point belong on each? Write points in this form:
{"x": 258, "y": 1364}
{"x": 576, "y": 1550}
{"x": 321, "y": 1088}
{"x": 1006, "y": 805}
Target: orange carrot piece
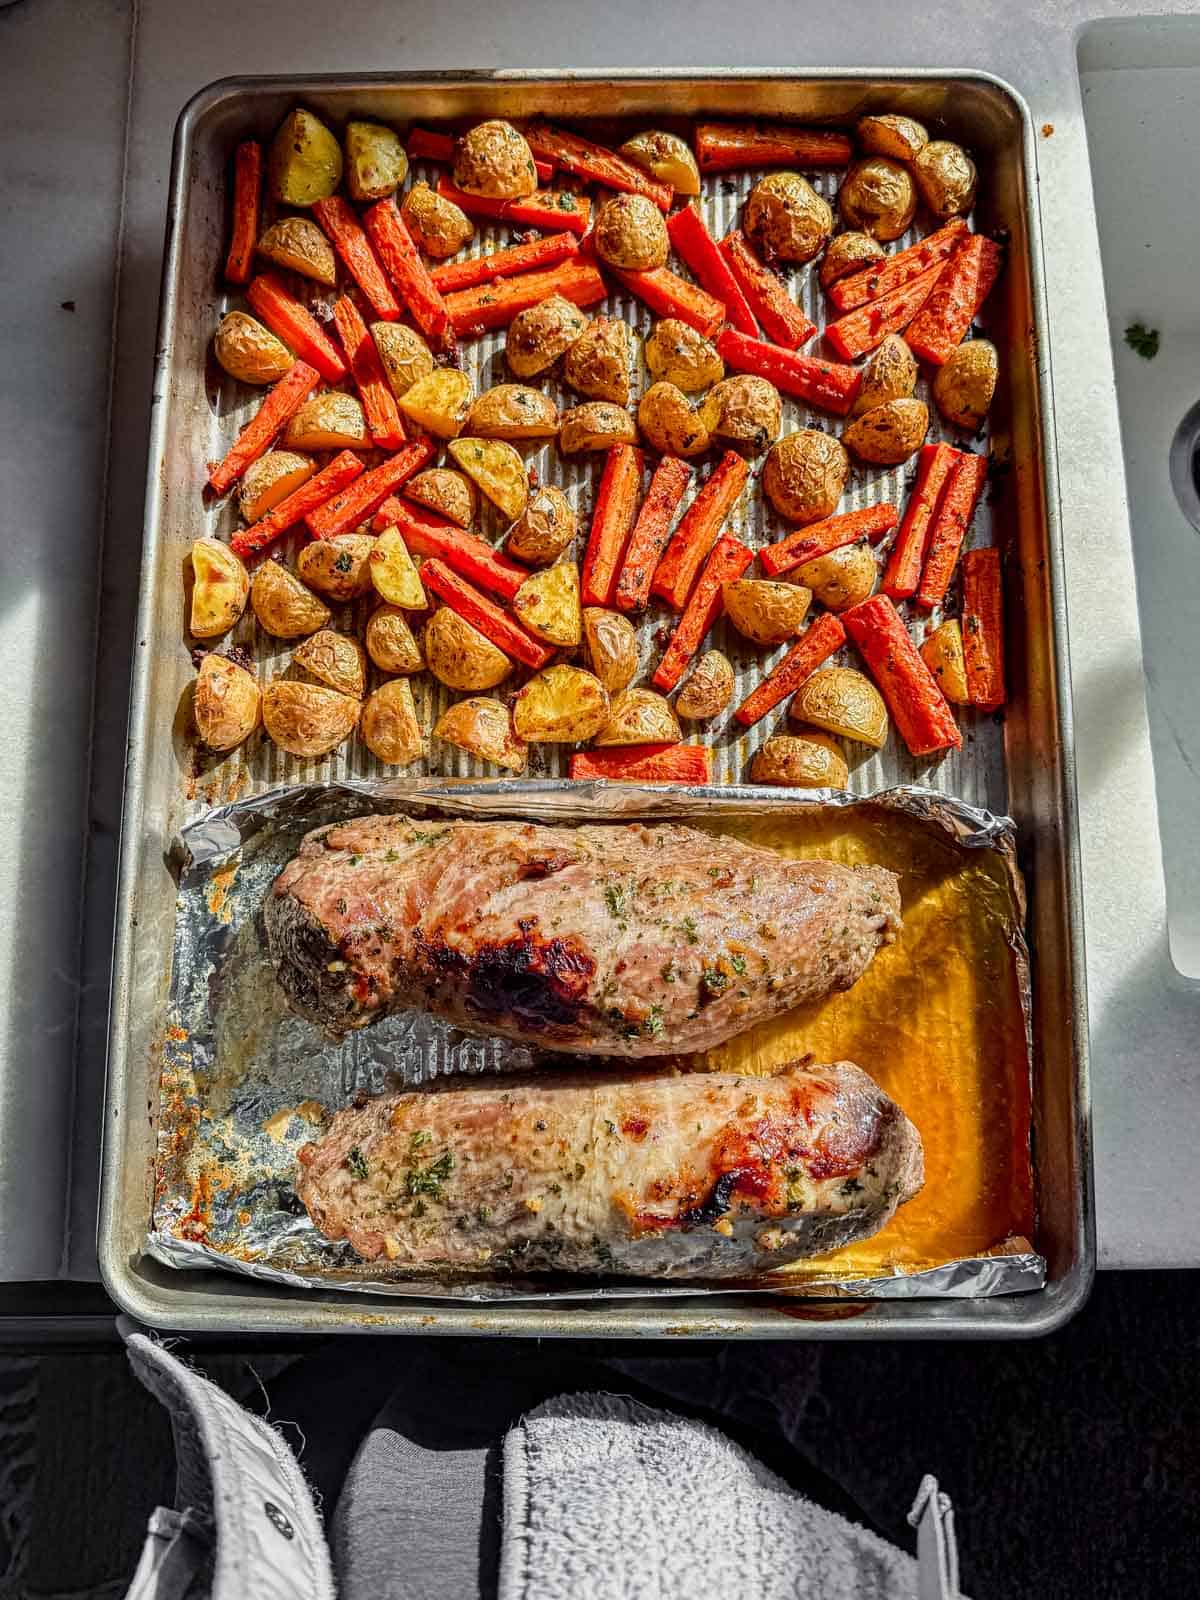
{"x": 379, "y": 403}
{"x": 729, "y": 146}
{"x": 698, "y": 529}
{"x": 728, "y": 560}
{"x": 494, "y": 305}
{"x": 954, "y": 514}
{"x": 297, "y": 327}
{"x": 934, "y": 465}
{"x": 596, "y": 164}
{"x": 247, "y": 193}
{"x": 914, "y": 697}
{"x": 339, "y": 220}
{"x": 346, "y": 510}
{"x": 983, "y": 628}
{"x": 402, "y": 261}
{"x": 692, "y": 241}
{"x": 669, "y": 295}
{"x": 644, "y": 763}
{"x": 425, "y": 145}
{"x": 505, "y": 263}
{"x": 427, "y": 534}
{"x": 816, "y": 644}
{"x": 338, "y": 475}
{"x": 859, "y": 331}
{"x": 616, "y": 507}
{"x": 964, "y": 284}
{"x": 484, "y": 614}
{"x": 650, "y": 533}
{"x": 281, "y": 402}
{"x": 548, "y": 208}
{"x": 881, "y": 277}
{"x": 819, "y": 538}
{"x": 829, "y": 385}
{"x": 781, "y": 318}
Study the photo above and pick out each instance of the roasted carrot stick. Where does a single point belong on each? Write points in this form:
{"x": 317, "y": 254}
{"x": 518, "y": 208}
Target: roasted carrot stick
{"x": 616, "y": 507}
{"x": 247, "y": 192}
{"x": 494, "y": 305}
{"x": 402, "y": 261}
{"x": 819, "y": 538}
{"x": 297, "y": 327}
{"x": 692, "y": 241}
{"x": 346, "y": 510}
{"x": 650, "y": 533}
{"x": 728, "y": 560}
{"x": 483, "y": 614}
{"x": 339, "y": 220}
{"x": 379, "y": 403}
{"x": 338, "y": 475}
{"x": 964, "y": 284}
{"x": 829, "y": 385}
{"x": 782, "y": 320}
{"x": 914, "y": 697}
{"x": 816, "y": 644}
{"x": 281, "y": 402}
{"x": 669, "y": 295}
{"x": 505, "y": 263}
{"x": 983, "y": 628}
{"x": 426, "y": 534}
{"x": 425, "y": 145}
{"x": 728, "y": 146}
{"x": 859, "y": 331}
{"x": 548, "y": 208}
{"x": 595, "y": 163}
{"x": 645, "y": 763}
{"x": 698, "y": 529}
{"x": 881, "y": 277}
{"x": 954, "y": 514}
{"x": 934, "y": 465}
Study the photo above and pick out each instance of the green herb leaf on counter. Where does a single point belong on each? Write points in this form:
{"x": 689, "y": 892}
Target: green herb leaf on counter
{"x": 1142, "y": 340}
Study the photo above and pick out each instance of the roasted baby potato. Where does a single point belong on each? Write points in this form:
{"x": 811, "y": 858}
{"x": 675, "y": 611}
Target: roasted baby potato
{"x": 598, "y": 361}
{"x": 335, "y": 659}
{"x": 328, "y": 421}
{"x": 437, "y": 224}
{"x": 271, "y": 479}
{"x": 890, "y": 374}
{"x": 305, "y": 160}
{"x": 537, "y": 337}
{"x": 766, "y": 611}
{"x": 744, "y": 412}
{"x": 390, "y": 642}
{"x": 877, "y": 197}
{"x": 639, "y": 716}
{"x": 669, "y": 423}
{"x": 513, "y": 411}
{"x": 339, "y": 567}
{"x": 842, "y": 578}
{"x": 943, "y": 654}
{"x": 438, "y": 402}
{"x": 544, "y": 529}
{"x": 248, "y": 351}
{"x": 225, "y": 703}
{"x": 847, "y": 252}
{"x": 844, "y": 702}
{"x": 220, "y": 588}
{"x": 945, "y": 176}
{"x": 308, "y": 719}
{"x": 630, "y": 233}
{"x": 459, "y": 655}
{"x": 805, "y": 474}
{"x": 547, "y": 603}
{"x": 595, "y": 426}
{"x": 678, "y": 354}
{"x": 481, "y": 726}
{"x": 901, "y": 138}
{"x": 447, "y": 491}
{"x": 667, "y": 157}
{"x": 561, "y": 705}
{"x": 809, "y": 761}
{"x": 497, "y": 471}
{"x": 709, "y": 689}
{"x": 298, "y": 245}
{"x": 965, "y": 384}
{"x": 283, "y": 606}
{"x": 611, "y": 648}
{"x": 404, "y": 354}
{"x": 889, "y": 433}
{"x": 786, "y": 219}
{"x": 376, "y": 165}
{"x": 391, "y": 729}
{"x": 493, "y": 159}
{"x": 394, "y": 573}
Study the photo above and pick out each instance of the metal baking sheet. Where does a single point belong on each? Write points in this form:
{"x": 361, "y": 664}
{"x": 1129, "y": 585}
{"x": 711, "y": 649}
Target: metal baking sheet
{"x": 1019, "y": 764}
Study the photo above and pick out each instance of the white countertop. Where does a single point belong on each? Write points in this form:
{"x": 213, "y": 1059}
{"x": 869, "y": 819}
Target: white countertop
{"x": 85, "y": 83}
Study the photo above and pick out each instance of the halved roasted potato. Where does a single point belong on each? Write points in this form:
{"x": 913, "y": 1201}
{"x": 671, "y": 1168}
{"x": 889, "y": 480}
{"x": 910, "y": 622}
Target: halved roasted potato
{"x": 459, "y": 655}
{"x": 497, "y": 471}
{"x": 965, "y": 384}
{"x": 394, "y": 572}
{"x": 611, "y": 647}
{"x": 945, "y": 176}
{"x": 669, "y": 424}
{"x": 537, "y": 337}
{"x": 305, "y": 160}
{"x": 339, "y": 567}
{"x": 744, "y": 412}
{"x": 595, "y": 426}
{"x": 336, "y": 659}
{"x": 447, "y": 491}
{"x": 220, "y": 588}
{"x": 666, "y": 157}
{"x": 438, "y": 402}
{"x": 439, "y": 227}
{"x": 250, "y": 352}
{"x": 391, "y": 729}
{"x": 842, "y": 578}
{"x": 513, "y": 411}
{"x": 766, "y": 611}
{"x": 271, "y": 479}
{"x": 404, "y": 354}
{"x": 676, "y": 353}
{"x": 298, "y": 245}
{"x": 844, "y": 702}
{"x": 547, "y": 603}
{"x": 808, "y": 761}
{"x": 890, "y": 433}
{"x": 901, "y": 138}
{"x": 544, "y": 529}
{"x": 225, "y": 703}
{"x": 282, "y": 604}
{"x": 493, "y": 159}
{"x": 709, "y": 689}
{"x": 598, "y": 362}
{"x": 639, "y": 716}
{"x": 805, "y": 474}
{"x": 890, "y": 374}
{"x": 308, "y": 719}
{"x": 561, "y": 705}
{"x": 846, "y": 253}
{"x": 629, "y": 232}
{"x": 328, "y": 421}
{"x": 482, "y": 727}
{"x": 943, "y": 654}
{"x": 376, "y": 164}
{"x": 390, "y": 641}
{"x": 878, "y": 197}
{"x": 786, "y": 219}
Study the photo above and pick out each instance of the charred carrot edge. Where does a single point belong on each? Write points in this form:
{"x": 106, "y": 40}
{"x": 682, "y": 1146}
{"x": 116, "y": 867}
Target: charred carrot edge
{"x": 669, "y": 295}
{"x": 859, "y": 331}
{"x": 494, "y": 305}
{"x": 650, "y": 533}
{"x": 645, "y": 763}
{"x": 616, "y": 508}
{"x": 819, "y": 538}
{"x": 728, "y": 560}
{"x": 914, "y": 698}
{"x": 425, "y": 145}
{"x": 696, "y": 246}
{"x": 781, "y": 318}
{"x": 426, "y": 534}
{"x": 983, "y": 628}
{"x": 338, "y": 475}
{"x": 379, "y": 403}
{"x": 595, "y": 163}
{"x": 698, "y": 529}
{"x": 505, "y": 263}
{"x": 829, "y": 385}
{"x": 548, "y": 208}
{"x": 247, "y": 193}
{"x": 297, "y": 327}
{"x": 483, "y": 614}
{"x": 963, "y": 285}
{"x": 954, "y": 514}
{"x": 934, "y": 465}
{"x": 346, "y": 510}
{"x": 816, "y": 644}
{"x": 881, "y": 277}
{"x": 280, "y": 403}
{"x": 339, "y": 220}
{"x": 727, "y": 146}
{"x": 402, "y": 262}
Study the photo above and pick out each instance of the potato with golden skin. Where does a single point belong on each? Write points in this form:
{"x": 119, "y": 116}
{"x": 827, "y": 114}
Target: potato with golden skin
{"x": 598, "y": 362}
{"x": 297, "y": 245}
{"x": 513, "y": 411}
{"x": 496, "y": 470}
{"x": 965, "y": 384}
{"x": 890, "y": 433}
{"x": 901, "y": 138}
{"x": 220, "y": 588}
{"x": 890, "y": 374}
{"x": 669, "y": 423}
{"x": 764, "y": 610}
{"x": 460, "y": 656}
{"x": 943, "y": 654}
{"x": 595, "y": 426}
{"x": 284, "y": 607}
{"x": 334, "y": 659}
{"x": 390, "y": 641}
{"x": 225, "y": 703}
{"x": 250, "y": 352}
{"x": 639, "y": 716}
{"x": 328, "y": 421}
{"x": 630, "y": 233}
{"x": 339, "y": 568}
{"x": 679, "y": 354}
{"x": 841, "y": 701}
{"x": 547, "y": 605}
{"x": 391, "y": 729}
{"x": 805, "y": 474}
{"x": 560, "y": 705}
{"x": 447, "y": 491}
{"x": 945, "y": 177}
{"x": 304, "y": 163}
{"x": 482, "y": 727}
{"x": 376, "y": 164}
{"x": 708, "y": 690}
{"x": 841, "y": 578}
{"x": 847, "y": 253}
{"x": 493, "y": 159}
{"x": 538, "y": 337}
{"x": 744, "y": 412}
{"x": 786, "y": 219}
{"x": 394, "y": 574}
{"x": 878, "y": 198}
{"x": 611, "y": 647}
{"x": 404, "y": 354}
{"x": 544, "y": 529}
{"x": 308, "y": 719}
{"x": 667, "y": 157}
{"x": 800, "y": 761}
{"x": 271, "y": 479}
{"x": 439, "y": 402}
{"x": 437, "y": 225}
